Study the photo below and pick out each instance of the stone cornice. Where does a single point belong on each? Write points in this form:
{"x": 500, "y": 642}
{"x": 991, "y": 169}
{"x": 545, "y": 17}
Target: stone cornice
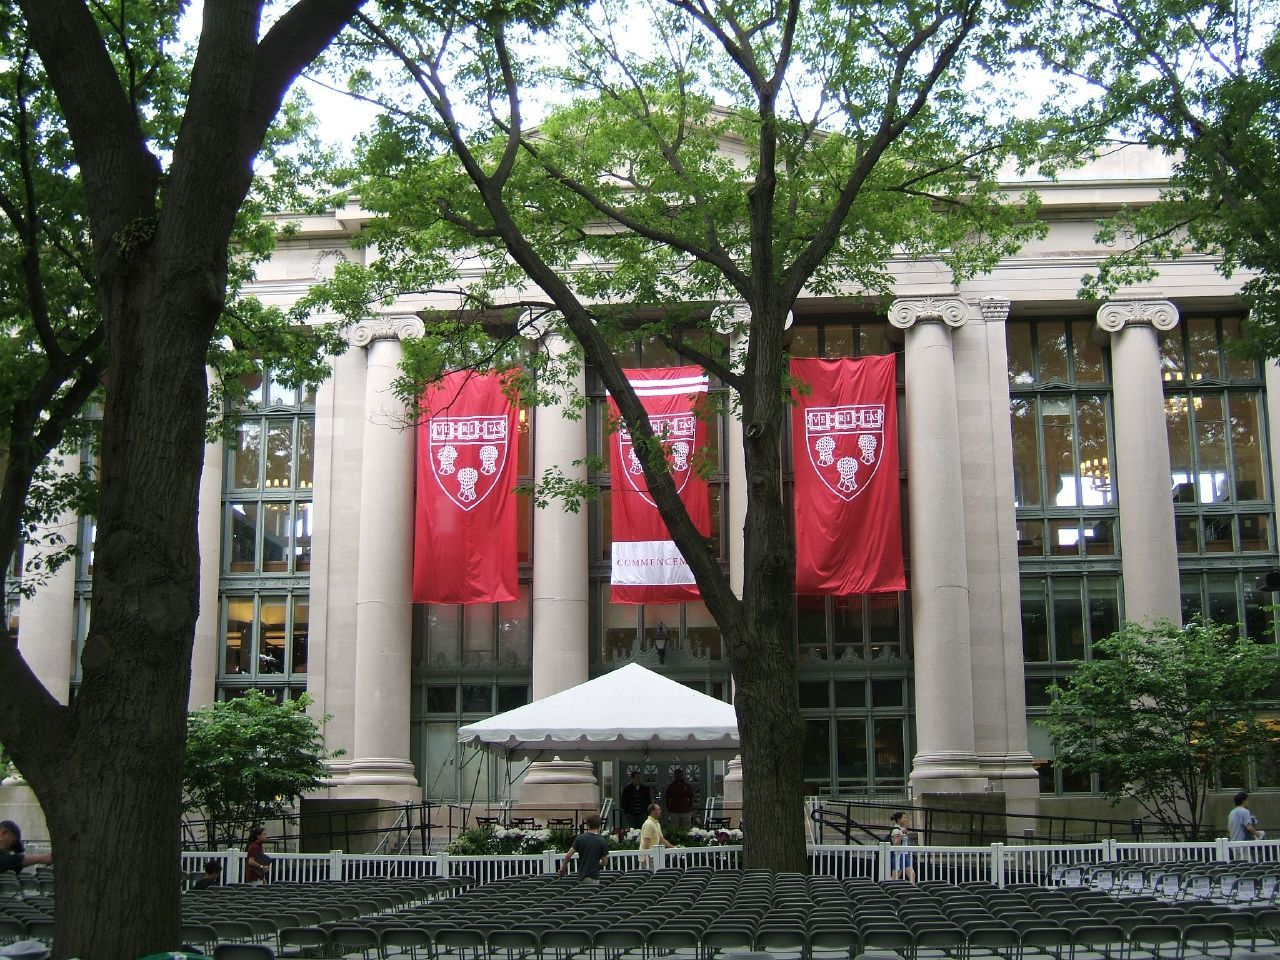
{"x": 400, "y": 327}
{"x": 1118, "y": 314}
{"x": 905, "y": 312}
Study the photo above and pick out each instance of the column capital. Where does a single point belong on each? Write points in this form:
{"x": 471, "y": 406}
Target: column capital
{"x": 906, "y": 312}
{"x": 734, "y": 316}
{"x": 538, "y": 324}
{"x": 395, "y": 327}
{"x": 1118, "y": 314}
{"x": 994, "y": 309}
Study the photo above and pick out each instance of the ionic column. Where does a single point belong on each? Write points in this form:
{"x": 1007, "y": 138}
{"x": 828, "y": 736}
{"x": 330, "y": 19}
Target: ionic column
{"x": 204, "y": 653}
{"x": 47, "y": 620}
{"x": 945, "y": 760}
{"x": 384, "y": 608}
{"x": 559, "y": 594}
{"x": 1148, "y": 544}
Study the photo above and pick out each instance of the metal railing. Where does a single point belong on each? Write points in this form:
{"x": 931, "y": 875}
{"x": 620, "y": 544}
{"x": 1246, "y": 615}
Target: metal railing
{"x": 998, "y": 864}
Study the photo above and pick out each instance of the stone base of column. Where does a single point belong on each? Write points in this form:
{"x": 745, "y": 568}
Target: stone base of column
{"x": 374, "y": 771}
{"x": 1015, "y": 777}
{"x": 560, "y": 784}
{"x": 947, "y": 772}
{"x": 733, "y": 782}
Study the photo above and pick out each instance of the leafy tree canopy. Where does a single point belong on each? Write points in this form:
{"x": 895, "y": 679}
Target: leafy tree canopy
{"x": 1161, "y": 712}
{"x": 248, "y": 759}
{"x": 1200, "y": 82}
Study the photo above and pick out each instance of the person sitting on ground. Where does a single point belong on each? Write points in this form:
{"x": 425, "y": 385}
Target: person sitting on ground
{"x": 651, "y": 833}
{"x": 13, "y": 855}
{"x": 212, "y": 875}
{"x": 592, "y": 848}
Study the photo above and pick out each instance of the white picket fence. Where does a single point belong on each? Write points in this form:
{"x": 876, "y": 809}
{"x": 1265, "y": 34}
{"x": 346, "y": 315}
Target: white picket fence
{"x": 998, "y": 864}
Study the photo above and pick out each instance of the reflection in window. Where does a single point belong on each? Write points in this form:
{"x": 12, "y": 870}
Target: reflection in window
{"x": 264, "y": 635}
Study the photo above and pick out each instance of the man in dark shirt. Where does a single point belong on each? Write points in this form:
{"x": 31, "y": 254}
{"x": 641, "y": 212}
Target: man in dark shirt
{"x": 12, "y": 855}
{"x": 635, "y": 801}
{"x": 592, "y": 848}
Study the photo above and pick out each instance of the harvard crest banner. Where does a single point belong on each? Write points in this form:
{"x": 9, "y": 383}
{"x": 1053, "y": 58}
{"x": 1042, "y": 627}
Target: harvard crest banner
{"x": 844, "y": 445}
{"x": 647, "y": 567}
{"x": 464, "y": 540}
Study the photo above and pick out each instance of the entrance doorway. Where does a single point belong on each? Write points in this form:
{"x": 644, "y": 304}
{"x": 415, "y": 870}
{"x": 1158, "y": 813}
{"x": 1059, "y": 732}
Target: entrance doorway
{"x": 703, "y": 775}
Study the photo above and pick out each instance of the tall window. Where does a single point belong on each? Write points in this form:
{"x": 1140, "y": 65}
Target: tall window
{"x": 1067, "y": 513}
{"x": 1219, "y": 473}
{"x": 266, "y": 541}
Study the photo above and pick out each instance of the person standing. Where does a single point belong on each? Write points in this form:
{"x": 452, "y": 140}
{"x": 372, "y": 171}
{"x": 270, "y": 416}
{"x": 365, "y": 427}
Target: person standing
{"x": 679, "y": 798}
{"x": 257, "y": 862}
{"x": 13, "y": 855}
{"x": 592, "y": 850}
{"x": 651, "y": 833}
{"x": 636, "y": 798}
{"x": 1241, "y": 824}
{"x": 900, "y": 863}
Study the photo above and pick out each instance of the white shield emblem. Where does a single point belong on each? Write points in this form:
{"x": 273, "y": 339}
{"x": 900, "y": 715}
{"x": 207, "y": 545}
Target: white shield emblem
{"x": 845, "y": 445}
{"x": 677, "y": 433}
{"x": 467, "y": 456}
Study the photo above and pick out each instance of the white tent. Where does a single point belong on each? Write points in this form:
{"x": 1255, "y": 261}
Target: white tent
{"x": 629, "y": 710}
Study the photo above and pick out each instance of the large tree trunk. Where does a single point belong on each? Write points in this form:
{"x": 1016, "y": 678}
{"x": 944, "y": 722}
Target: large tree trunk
{"x": 113, "y": 816}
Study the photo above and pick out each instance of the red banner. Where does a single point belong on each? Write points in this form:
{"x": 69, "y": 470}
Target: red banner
{"x": 647, "y": 567}
{"x": 464, "y": 537}
{"x": 844, "y": 447}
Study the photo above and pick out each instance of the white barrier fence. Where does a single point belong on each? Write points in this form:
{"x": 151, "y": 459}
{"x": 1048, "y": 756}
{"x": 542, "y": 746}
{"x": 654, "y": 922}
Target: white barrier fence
{"x": 998, "y": 864}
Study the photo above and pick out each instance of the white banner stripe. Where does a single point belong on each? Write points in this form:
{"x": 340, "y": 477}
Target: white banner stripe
{"x": 649, "y": 563}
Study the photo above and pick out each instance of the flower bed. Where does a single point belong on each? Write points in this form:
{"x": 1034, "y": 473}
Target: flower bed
{"x": 490, "y": 840}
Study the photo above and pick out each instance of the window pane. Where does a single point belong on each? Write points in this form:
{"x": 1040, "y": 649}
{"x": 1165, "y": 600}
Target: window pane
{"x": 1192, "y": 602}
{"x": 272, "y": 635}
{"x": 619, "y": 628}
{"x": 1089, "y": 363}
{"x": 884, "y": 616}
{"x": 1021, "y": 367}
{"x": 1052, "y": 337}
{"x": 278, "y": 395}
{"x": 1099, "y": 537}
{"x": 246, "y": 453}
{"x": 443, "y": 635}
{"x": 306, "y": 453}
{"x": 1059, "y": 451}
{"x": 515, "y": 629}
{"x": 1104, "y": 607}
{"x": 524, "y": 441}
{"x": 703, "y": 632}
{"x": 301, "y": 633}
{"x": 1026, "y": 454}
{"x": 442, "y": 699}
{"x": 886, "y": 693}
{"x": 1238, "y": 368}
{"x": 1257, "y": 610}
{"x": 251, "y": 383}
{"x": 891, "y": 755}
{"x": 242, "y": 554}
{"x": 1255, "y": 533}
{"x": 477, "y": 634}
{"x": 606, "y": 524}
{"x": 811, "y": 626}
{"x": 511, "y": 696}
{"x": 804, "y": 342}
{"x": 238, "y": 635}
{"x": 1217, "y": 535}
{"x": 1246, "y": 446}
{"x": 847, "y": 626}
{"x": 1095, "y": 451}
{"x": 477, "y": 699}
{"x": 1187, "y": 532}
{"x": 817, "y": 756}
{"x": 302, "y": 536}
{"x": 280, "y": 454}
{"x": 1068, "y": 619}
{"x": 1064, "y": 538}
{"x": 814, "y": 694}
{"x": 1030, "y": 538}
{"x": 1181, "y": 468}
{"x": 524, "y": 529}
{"x": 1202, "y": 349}
{"x": 851, "y": 750}
{"x": 837, "y": 340}
{"x": 1223, "y": 608}
{"x": 851, "y": 693}
{"x": 276, "y": 526}
{"x": 1211, "y": 448}
{"x": 1035, "y": 621}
